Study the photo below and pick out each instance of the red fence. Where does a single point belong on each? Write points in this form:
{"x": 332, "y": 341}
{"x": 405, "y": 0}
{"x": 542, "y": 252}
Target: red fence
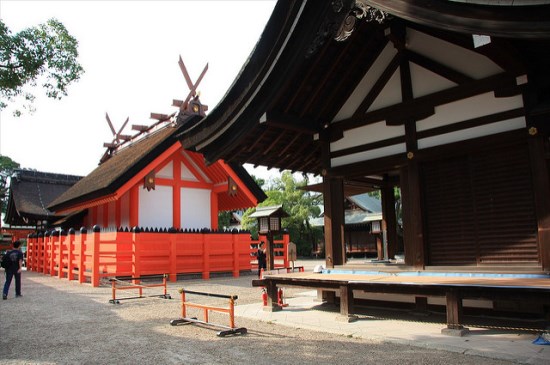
{"x": 87, "y": 257}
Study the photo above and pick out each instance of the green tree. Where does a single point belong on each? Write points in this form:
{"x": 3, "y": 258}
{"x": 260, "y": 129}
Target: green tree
{"x": 300, "y": 204}
{"x": 45, "y": 53}
{"x": 7, "y": 165}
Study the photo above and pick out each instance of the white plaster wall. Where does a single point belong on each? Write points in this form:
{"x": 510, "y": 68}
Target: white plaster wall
{"x": 367, "y": 134}
{"x": 369, "y": 155}
{"x": 468, "y": 62}
{"x": 366, "y": 83}
{"x": 186, "y": 174}
{"x": 470, "y": 133}
{"x": 476, "y": 106}
{"x": 390, "y": 94}
{"x": 425, "y": 82}
{"x": 195, "y": 208}
{"x": 167, "y": 171}
{"x": 155, "y": 207}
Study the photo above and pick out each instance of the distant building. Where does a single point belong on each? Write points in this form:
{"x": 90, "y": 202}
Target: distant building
{"x": 30, "y": 193}
{"x": 362, "y": 232}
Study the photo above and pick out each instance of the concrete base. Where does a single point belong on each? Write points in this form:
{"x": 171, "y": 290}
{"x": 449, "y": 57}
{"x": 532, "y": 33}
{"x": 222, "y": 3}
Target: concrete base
{"x": 456, "y": 332}
{"x": 348, "y": 319}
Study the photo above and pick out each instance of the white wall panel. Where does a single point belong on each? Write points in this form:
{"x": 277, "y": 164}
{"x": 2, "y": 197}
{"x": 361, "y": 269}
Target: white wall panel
{"x": 186, "y": 174}
{"x": 369, "y": 155}
{"x": 155, "y": 207}
{"x": 484, "y": 130}
{"x": 468, "y": 62}
{"x": 195, "y": 208}
{"x": 367, "y": 134}
{"x": 474, "y": 107}
{"x": 390, "y": 94}
{"x": 365, "y": 85}
{"x": 167, "y": 171}
{"x": 425, "y": 82}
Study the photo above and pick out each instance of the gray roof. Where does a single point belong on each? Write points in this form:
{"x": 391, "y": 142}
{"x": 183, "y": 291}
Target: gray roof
{"x": 366, "y": 202}
{"x": 370, "y": 210}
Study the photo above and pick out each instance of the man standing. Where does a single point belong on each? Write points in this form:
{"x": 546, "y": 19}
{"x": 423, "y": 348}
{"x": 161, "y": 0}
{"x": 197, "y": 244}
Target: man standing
{"x": 261, "y": 256}
{"x": 13, "y": 270}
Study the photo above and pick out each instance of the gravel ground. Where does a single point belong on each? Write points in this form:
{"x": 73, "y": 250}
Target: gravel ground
{"x": 62, "y": 322}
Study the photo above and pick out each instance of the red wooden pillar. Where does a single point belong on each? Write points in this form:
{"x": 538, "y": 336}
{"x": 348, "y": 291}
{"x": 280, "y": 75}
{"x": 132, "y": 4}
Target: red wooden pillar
{"x": 41, "y": 253}
{"x": 47, "y": 253}
{"x": 30, "y": 252}
{"x": 95, "y": 255}
{"x": 205, "y": 257}
{"x": 60, "y": 254}
{"x": 53, "y": 250}
{"x": 70, "y": 254}
{"x": 213, "y": 210}
{"x": 82, "y": 240}
{"x": 136, "y": 247}
{"x": 173, "y": 257}
{"x": 236, "y": 255}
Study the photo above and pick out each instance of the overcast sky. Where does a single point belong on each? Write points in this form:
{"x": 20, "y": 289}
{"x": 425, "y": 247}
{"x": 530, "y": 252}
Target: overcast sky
{"x": 129, "y": 50}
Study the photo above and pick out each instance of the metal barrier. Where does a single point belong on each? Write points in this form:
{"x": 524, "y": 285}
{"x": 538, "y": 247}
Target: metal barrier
{"x": 227, "y": 330}
{"x": 116, "y": 285}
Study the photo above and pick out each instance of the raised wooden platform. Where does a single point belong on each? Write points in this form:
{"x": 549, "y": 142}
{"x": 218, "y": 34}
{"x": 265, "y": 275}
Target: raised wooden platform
{"x": 453, "y": 286}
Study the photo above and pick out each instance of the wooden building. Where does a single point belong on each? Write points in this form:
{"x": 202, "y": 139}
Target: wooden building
{"x": 30, "y": 193}
{"x": 447, "y": 100}
{"x": 363, "y": 237}
{"x": 152, "y": 182}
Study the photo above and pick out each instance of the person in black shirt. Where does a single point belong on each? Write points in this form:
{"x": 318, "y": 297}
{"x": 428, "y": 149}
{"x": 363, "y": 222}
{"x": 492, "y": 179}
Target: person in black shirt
{"x": 14, "y": 270}
{"x": 262, "y": 262}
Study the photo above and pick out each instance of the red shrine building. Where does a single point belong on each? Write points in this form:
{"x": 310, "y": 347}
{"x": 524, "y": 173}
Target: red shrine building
{"x": 152, "y": 182}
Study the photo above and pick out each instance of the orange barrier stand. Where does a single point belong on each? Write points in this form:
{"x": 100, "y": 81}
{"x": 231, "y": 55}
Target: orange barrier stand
{"x": 139, "y": 287}
{"x": 228, "y": 330}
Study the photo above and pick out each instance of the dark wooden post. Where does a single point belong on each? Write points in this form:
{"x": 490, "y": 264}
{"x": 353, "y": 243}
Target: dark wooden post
{"x": 333, "y": 197}
{"x": 454, "y": 314}
{"x": 272, "y": 302}
{"x": 412, "y": 216}
{"x": 346, "y": 304}
{"x": 270, "y": 260}
{"x": 389, "y": 220}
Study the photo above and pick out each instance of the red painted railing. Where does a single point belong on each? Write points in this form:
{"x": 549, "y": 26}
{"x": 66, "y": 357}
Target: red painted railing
{"x": 89, "y": 256}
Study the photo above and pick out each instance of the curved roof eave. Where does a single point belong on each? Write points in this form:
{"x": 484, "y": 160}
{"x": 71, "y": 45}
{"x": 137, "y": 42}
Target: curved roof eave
{"x": 249, "y": 81}
{"x": 492, "y": 18}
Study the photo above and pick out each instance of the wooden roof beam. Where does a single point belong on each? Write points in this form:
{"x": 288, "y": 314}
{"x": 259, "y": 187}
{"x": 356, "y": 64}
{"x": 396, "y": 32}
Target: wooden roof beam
{"x": 423, "y": 106}
{"x": 438, "y": 68}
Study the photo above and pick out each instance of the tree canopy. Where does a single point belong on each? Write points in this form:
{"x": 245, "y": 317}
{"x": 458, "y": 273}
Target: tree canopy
{"x": 7, "y": 165}
{"x": 46, "y": 53}
{"x": 301, "y": 205}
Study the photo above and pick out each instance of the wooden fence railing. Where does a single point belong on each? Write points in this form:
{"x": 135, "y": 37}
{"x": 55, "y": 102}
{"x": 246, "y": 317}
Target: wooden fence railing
{"x": 89, "y": 256}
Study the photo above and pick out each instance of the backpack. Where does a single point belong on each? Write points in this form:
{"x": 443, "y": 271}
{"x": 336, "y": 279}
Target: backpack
{"x": 9, "y": 260}
{"x": 6, "y": 261}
